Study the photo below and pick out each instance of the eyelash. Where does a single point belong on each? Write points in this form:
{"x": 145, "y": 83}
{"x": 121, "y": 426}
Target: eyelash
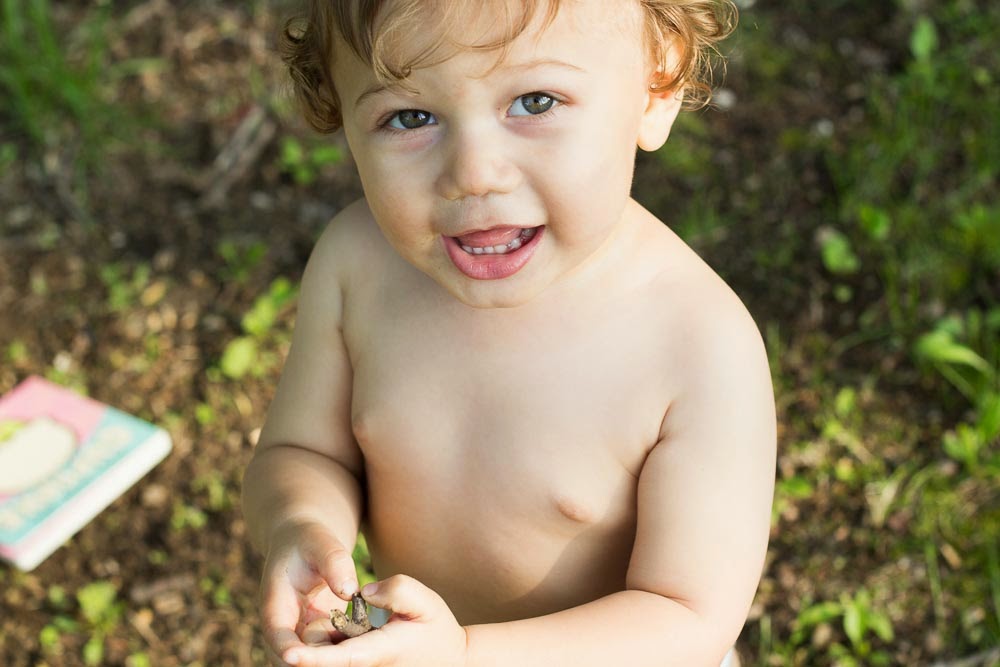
{"x": 557, "y": 104}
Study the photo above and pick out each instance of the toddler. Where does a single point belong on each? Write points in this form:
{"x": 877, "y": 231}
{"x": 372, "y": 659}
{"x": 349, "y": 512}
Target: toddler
{"x": 552, "y": 421}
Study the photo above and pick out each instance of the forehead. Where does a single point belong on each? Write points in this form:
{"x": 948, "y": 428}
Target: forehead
{"x": 399, "y": 36}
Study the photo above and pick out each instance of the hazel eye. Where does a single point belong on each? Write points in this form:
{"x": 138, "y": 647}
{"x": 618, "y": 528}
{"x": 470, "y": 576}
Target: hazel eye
{"x": 532, "y": 104}
{"x": 410, "y": 119}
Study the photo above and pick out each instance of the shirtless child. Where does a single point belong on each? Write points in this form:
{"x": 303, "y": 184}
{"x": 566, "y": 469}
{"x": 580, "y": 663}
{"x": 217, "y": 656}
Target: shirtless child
{"x": 553, "y": 422}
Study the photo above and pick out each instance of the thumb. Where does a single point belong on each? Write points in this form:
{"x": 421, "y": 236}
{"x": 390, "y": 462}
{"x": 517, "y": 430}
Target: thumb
{"x": 404, "y": 596}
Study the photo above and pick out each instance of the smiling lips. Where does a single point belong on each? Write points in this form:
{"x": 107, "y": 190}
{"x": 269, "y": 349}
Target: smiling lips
{"x": 494, "y": 253}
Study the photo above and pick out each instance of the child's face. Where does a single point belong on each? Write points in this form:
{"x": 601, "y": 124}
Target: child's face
{"x": 539, "y": 150}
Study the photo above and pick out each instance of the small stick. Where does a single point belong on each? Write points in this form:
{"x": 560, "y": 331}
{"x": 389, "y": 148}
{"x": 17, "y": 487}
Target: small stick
{"x": 358, "y": 624}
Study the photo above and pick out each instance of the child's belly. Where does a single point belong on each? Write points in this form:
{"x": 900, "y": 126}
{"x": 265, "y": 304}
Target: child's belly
{"x": 498, "y": 546}
{"x": 526, "y": 508}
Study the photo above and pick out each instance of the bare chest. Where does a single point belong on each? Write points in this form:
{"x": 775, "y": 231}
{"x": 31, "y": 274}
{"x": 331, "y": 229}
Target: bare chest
{"x": 557, "y": 413}
{"x": 511, "y": 448}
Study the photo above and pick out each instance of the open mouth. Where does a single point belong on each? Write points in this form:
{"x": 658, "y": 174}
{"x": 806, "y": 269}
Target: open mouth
{"x": 493, "y": 254}
{"x": 502, "y": 248}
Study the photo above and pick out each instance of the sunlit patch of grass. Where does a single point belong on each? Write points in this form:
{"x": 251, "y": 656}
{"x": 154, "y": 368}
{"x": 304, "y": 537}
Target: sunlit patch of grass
{"x": 252, "y": 353}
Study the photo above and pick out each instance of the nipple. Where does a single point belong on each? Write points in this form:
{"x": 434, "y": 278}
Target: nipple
{"x": 574, "y": 510}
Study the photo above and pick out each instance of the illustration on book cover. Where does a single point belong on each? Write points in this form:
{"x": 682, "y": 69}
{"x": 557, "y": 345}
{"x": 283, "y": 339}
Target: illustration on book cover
{"x": 63, "y": 458}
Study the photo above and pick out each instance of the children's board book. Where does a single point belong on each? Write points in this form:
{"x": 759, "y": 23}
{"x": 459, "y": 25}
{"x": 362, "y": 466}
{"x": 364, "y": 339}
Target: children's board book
{"x": 63, "y": 459}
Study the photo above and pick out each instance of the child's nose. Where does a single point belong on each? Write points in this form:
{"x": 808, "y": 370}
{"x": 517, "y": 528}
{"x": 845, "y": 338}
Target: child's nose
{"x": 476, "y": 165}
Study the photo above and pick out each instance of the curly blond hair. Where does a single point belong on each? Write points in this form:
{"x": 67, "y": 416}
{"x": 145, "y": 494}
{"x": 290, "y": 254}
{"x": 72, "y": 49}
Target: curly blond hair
{"x": 373, "y": 29}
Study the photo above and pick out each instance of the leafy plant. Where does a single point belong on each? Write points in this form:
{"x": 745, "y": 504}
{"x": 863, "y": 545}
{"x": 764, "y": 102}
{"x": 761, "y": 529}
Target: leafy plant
{"x": 304, "y": 163}
{"x": 838, "y": 256}
{"x": 916, "y": 185}
{"x": 124, "y": 285}
{"x": 244, "y": 354}
{"x": 187, "y": 516}
{"x": 787, "y": 491}
{"x": 240, "y": 260}
{"x": 101, "y": 611}
{"x": 966, "y": 352}
{"x": 860, "y": 621}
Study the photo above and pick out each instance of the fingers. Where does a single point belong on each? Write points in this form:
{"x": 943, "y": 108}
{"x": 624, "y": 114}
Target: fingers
{"x": 278, "y": 641}
{"x": 404, "y": 596}
{"x": 280, "y": 613}
{"x": 319, "y": 632}
{"x": 294, "y": 590}
{"x": 328, "y": 557}
{"x": 363, "y": 651}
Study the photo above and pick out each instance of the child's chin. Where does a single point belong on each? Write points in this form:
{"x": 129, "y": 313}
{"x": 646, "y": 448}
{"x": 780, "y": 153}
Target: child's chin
{"x": 492, "y": 294}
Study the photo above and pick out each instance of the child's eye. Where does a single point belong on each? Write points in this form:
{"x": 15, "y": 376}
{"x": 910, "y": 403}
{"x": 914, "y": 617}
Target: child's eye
{"x": 410, "y": 119}
{"x": 532, "y": 104}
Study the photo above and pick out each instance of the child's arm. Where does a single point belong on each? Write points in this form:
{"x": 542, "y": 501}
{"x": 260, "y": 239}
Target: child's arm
{"x": 704, "y": 501}
{"x": 704, "y": 498}
{"x": 302, "y": 492}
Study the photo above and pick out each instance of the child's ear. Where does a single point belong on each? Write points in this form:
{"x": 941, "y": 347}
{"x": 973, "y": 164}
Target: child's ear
{"x": 662, "y": 107}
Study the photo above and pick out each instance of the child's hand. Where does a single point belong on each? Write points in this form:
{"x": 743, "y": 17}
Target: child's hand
{"x": 422, "y": 632}
{"x": 308, "y": 572}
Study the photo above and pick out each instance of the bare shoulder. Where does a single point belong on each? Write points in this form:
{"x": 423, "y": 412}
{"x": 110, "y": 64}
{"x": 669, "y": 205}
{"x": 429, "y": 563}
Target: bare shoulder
{"x": 714, "y": 350}
{"x": 316, "y": 379}
{"x": 706, "y": 322}
{"x": 350, "y": 241}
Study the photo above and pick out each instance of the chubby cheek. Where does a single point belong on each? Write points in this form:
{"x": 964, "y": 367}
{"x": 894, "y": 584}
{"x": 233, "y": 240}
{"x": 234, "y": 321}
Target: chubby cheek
{"x": 592, "y": 187}
{"x": 397, "y": 202}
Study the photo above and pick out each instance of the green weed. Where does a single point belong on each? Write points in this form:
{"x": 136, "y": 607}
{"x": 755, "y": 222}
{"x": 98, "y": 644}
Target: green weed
{"x": 304, "y": 163}
{"x": 204, "y": 414}
{"x": 217, "y": 590}
{"x": 917, "y": 184}
{"x": 248, "y": 354}
{"x": 186, "y": 516}
{"x": 213, "y": 486}
{"x": 50, "y": 636}
{"x": 102, "y": 612}
{"x": 17, "y": 352}
{"x": 240, "y": 259}
{"x": 861, "y": 623}
{"x": 966, "y": 352}
{"x": 57, "y": 88}
{"x": 787, "y": 491}
{"x": 125, "y": 285}
{"x": 43, "y": 89}
{"x": 139, "y": 660}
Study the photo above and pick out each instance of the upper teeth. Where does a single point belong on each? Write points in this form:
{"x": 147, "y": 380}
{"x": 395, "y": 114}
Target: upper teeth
{"x": 501, "y": 249}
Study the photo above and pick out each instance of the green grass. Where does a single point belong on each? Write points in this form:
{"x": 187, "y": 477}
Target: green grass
{"x": 917, "y": 185}
{"x": 250, "y": 353}
{"x": 57, "y": 87}
{"x": 43, "y": 89}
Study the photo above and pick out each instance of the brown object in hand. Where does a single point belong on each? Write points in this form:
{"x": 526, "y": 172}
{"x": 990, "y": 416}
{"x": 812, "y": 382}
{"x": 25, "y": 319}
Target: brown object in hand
{"x": 358, "y": 623}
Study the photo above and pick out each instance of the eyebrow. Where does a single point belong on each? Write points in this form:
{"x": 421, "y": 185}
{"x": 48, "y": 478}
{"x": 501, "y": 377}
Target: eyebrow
{"x": 377, "y": 89}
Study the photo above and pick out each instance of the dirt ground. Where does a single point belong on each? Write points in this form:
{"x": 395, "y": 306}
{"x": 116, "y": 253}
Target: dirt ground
{"x": 130, "y": 282}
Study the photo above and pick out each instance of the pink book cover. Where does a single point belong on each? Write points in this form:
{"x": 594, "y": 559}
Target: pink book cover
{"x": 63, "y": 459}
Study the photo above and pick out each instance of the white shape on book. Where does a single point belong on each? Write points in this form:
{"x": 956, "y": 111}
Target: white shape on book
{"x": 35, "y": 452}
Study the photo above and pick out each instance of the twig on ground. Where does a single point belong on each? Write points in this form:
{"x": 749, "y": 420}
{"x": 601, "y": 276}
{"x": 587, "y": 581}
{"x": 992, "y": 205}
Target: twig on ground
{"x": 249, "y": 140}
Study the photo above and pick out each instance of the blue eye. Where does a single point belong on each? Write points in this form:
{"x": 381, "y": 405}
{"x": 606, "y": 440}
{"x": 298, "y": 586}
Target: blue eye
{"x": 410, "y": 119}
{"x": 532, "y": 104}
